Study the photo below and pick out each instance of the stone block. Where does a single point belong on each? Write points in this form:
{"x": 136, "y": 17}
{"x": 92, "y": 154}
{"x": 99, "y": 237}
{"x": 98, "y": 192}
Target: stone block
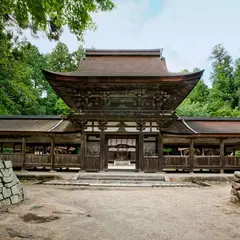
{"x": 1, "y": 189}
{"x": 237, "y": 174}
{"x": 1, "y": 197}
{"x": 8, "y": 164}
{"x": 6, "y": 172}
{"x": 6, "y": 192}
{"x": 1, "y": 175}
{"x": 5, "y": 202}
{"x": 1, "y": 185}
{"x": 7, "y": 179}
{"x": 235, "y": 192}
{"x": 234, "y": 199}
{"x": 21, "y": 195}
{"x": 9, "y": 185}
{"x": 14, "y": 190}
{"x": 15, "y": 199}
{"x": 15, "y": 180}
{"x": 237, "y": 180}
{"x": 236, "y": 186}
{"x": 1, "y": 164}
{"x": 20, "y": 186}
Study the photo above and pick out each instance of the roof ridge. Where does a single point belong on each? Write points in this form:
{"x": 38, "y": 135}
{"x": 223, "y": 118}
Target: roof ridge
{"x": 123, "y": 52}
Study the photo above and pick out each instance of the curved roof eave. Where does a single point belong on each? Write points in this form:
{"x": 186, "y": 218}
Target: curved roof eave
{"x": 76, "y": 74}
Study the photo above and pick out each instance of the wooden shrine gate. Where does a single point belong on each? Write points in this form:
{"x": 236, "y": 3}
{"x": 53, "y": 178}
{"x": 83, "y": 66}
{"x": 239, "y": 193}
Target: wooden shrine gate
{"x": 147, "y": 156}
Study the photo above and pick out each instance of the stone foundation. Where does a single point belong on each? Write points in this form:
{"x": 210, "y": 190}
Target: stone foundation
{"x": 235, "y": 191}
{"x": 11, "y": 190}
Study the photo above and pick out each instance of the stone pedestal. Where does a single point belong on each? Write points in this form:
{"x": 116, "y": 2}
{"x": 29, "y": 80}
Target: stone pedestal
{"x": 235, "y": 191}
{"x": 11, "y": 190}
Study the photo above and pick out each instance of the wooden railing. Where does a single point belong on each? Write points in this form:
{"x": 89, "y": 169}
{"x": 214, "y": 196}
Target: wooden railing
{"x": 232, "y": 162}
{"x": 37, "y": 160}
{"x": 16, "y": 158}
{"x": 150, "y": 164}
{"x": 207, "y": 162}
{"x": 200, "y": 162}
{"x": 67, "y": 160}
{"x": 172, "y": 161}
{"x": 93, "y": 163}
{"x": 42, "y": 160}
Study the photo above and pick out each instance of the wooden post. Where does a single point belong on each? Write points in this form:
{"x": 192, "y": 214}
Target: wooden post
{"x": 102, "y": 150}
{"x": 160, "y": 152}
{"x": 82, "y": 151}
{"x": 23, "y": 153}
{"x": 106, "y": 154}
{"x": 1, "y": 147}
{"x": 222, "y": 160}
{"x": 52, "y": 154}
{"x": 191, "y": 155}
{"x": 140, "y": 149}
{"x": 68, "y": 152}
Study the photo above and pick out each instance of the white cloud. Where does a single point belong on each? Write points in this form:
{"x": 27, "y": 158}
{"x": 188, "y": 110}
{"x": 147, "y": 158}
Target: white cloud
{"x": 186, "y": 30}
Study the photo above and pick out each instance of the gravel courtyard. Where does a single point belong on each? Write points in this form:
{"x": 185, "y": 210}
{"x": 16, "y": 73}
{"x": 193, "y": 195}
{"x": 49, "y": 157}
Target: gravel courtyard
{"x": 67, "y": 213}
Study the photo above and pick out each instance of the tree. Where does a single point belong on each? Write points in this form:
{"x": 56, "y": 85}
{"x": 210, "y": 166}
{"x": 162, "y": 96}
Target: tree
{"x": 17, "y": 95}
{"x": 50, "y": 16}
{"x": 193, "y": 109}
{"x": 60, "y": 60}
{"x": 222, "y": 76}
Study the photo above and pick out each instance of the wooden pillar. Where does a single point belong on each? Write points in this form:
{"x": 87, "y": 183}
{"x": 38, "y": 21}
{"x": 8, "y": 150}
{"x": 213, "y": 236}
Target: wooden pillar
{"x": 102, "y": 125}
{"x": 23, "y": 153}
{"x": 160, "y": 152}
{"x": 102, "y": 150}
{"x": 82, "y": 150}
{"x": 68, "y": 152}
{"x": 222, "y": 160}
{"x": 191, "y": 155}
{"x": 140, "y": 149}
{"x": 106, "y": 154}
{"x": 1, "y": 147}
{"x": 52, "y": 153}
{"x": 44, "y": 149}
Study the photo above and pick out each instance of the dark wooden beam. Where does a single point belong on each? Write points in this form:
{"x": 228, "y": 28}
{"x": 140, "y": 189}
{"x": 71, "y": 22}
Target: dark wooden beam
{"x": 140, "y": 150}
{"x": 222, "y": 160}
{"x": 106, "y": 154}
{"x": 52, "y": 153}
{"x": 191, "y": 155}
{"x": 23, "y": 153}
{"x": 83, "y": 150}
{"x": 160, "y": 152}
{"x": 102, "y": 150}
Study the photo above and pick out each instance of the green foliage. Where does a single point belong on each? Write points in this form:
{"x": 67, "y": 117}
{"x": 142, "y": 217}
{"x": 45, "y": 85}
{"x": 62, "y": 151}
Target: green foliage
{"x": 24, "y": 90}
{"x": 223, "y": 99}
{"x": 50, "y": 16}
{"x": 7, "y": 150}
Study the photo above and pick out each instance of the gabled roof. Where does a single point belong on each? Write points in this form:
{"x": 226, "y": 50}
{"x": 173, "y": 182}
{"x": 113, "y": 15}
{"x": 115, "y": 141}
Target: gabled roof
{"x": 121, "y": 63}
{"x": 28, "y": 124}
{"x": 57, "y": 124}
{"x": 214, "y": 125}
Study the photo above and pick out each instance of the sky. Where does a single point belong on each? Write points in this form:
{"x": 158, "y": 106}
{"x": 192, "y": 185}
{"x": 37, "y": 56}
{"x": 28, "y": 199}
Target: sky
{"x": 187, "y": 30}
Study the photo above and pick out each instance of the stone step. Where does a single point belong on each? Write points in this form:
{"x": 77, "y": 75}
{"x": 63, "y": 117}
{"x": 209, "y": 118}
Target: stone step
{"x": 119, "y": 184}
{"x": 121, "y": 177}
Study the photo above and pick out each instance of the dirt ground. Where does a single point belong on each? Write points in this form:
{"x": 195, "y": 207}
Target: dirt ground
{"x": 68, "y": 213}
